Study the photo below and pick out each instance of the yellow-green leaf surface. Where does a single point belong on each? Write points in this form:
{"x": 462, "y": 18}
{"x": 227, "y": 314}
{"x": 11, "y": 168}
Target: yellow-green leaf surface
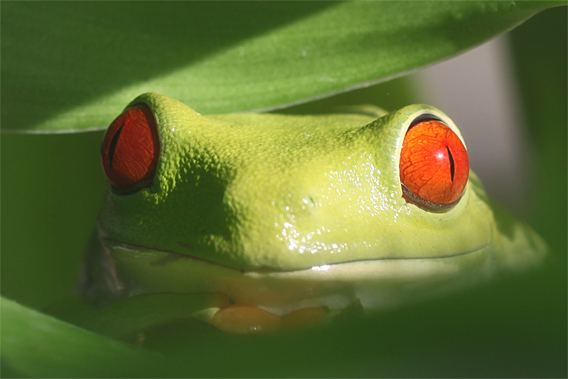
{"x": 35, "y": 345}
{"x": 74, "y": 65}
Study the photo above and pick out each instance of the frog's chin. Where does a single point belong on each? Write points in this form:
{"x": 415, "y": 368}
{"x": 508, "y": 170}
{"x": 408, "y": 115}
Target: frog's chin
{"x": 376, "y": 284}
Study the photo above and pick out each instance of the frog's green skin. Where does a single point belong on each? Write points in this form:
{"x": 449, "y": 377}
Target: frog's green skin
{"x": 290, "y": 212}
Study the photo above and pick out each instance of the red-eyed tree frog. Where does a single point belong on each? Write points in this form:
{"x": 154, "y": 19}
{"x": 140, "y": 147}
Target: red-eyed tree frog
{"x": 258, "y": 222}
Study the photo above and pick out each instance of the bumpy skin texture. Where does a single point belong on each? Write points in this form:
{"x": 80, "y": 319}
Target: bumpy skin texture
{"x": 257, "y": 221}
{"x": 263, "y": 191}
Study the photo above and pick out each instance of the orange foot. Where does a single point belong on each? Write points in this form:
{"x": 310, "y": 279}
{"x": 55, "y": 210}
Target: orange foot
{"x": 249, "y": 319}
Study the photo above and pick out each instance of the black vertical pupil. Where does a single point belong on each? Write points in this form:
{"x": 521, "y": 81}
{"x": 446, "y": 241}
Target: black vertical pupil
{"x": 452, "y": 166}
{"x": 112, "y": 146}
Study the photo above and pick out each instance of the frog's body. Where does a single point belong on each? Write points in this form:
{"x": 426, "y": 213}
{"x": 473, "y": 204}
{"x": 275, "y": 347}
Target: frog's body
{"x": 291, "y": 218}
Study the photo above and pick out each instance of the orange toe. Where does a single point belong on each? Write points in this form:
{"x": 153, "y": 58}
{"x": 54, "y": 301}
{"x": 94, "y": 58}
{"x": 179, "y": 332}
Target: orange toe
{"x": 245, "y": 319}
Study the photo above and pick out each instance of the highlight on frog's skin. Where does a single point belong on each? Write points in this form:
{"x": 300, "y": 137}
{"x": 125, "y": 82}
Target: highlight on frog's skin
{"x": 255, "y": 223}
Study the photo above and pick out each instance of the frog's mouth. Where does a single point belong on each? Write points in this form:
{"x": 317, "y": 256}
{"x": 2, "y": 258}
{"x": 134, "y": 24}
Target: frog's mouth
{"x": 376, "y": 283}
{"x": 168, "y": 256}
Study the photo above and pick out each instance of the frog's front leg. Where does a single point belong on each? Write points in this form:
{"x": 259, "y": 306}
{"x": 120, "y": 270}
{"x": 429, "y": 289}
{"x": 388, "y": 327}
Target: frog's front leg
{"x": 130, "y": 316}
{"x": 249, "y": 319}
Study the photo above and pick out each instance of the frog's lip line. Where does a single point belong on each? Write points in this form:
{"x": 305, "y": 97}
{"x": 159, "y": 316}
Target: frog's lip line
{"x": 266, "y": 270}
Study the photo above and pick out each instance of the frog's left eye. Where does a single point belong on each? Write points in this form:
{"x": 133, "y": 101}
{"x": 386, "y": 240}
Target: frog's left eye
{"x": 434, "y": 166}
{"x": 130, "y": 150}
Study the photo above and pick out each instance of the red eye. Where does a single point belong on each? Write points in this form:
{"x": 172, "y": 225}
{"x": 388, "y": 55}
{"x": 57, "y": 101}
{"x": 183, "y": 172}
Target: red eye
{"x": 130, "y": 150}
{"x": 434, "y": 166}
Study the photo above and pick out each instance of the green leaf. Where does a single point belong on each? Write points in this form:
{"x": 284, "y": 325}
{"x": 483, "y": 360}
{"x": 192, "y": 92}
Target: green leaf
{"x": 35, "y": 345}
{"x": 52, "y": 188}
{"x": 541, "y": 67}
{"x": 74, "y": 65}
{"x": 542, "y": 77}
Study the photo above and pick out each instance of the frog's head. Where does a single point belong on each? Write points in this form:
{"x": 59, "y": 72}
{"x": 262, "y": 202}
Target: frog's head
{"x": 279, "y": 193}
{"x": 279, "y": 218}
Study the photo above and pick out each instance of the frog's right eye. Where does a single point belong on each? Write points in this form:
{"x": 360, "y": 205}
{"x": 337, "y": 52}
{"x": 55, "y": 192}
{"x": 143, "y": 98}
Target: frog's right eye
{"x": 130, "y": 150}
{"x": 434, "y": 166}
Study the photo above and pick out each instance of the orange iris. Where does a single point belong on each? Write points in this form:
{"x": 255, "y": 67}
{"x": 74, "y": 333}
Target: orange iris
{"x": 434, "y": 165}
{"x": 131, "y": 148}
